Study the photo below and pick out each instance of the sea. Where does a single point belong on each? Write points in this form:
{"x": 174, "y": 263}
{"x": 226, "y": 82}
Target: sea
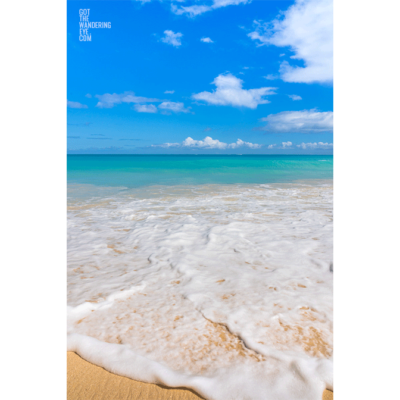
{"x": 212, "y": 272}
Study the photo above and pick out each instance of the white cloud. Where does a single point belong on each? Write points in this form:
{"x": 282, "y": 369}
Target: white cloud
{"x": 210, "y": 143}
{"x": 108, "y": 100}
{"x": 169, "y": 92}
{"x": 286, "y": 144}
{"x": 307, "y": 28}
{"x": 174, "y": 39}
{"x": 271, "y": 77}
{"x": 75, "y": 104}
{"x": 206, "y": 40}
{"x": 241, "y": 143}
{"x": 145, "y": 108}
{"x": 224, "y": 3}
{"x": 89, "y": 96}
{"x": 304, "y": 146}
{"x": 306, "y": 121}
{"x": 166, "y": 145}
{"x": 173, "y": 107}
{"x": 192, "y": 11}
{"x": 319, "y": 145}
{"x": 229, "y": 92}
{"x": 294, "y": 97}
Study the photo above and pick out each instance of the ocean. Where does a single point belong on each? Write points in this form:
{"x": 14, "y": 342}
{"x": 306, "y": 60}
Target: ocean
{"x": 145, "y": 170}
{"x": 208, "y": 272}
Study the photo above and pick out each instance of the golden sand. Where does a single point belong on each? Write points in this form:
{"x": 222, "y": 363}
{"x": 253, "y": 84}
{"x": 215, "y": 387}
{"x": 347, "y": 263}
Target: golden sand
{"x": 327, "y": 395}
{"x": 86, "y": 381}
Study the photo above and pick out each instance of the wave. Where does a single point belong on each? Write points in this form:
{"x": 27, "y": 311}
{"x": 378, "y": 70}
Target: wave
{"x": 223, "y": 289}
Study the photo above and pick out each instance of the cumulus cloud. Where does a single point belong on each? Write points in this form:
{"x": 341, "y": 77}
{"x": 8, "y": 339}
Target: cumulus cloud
{"x": 294, "y": 97}
{"x": 145, "y": 108}
{"x": 206, "y": 40}
{"x": 286, "y": 145}
{"x": 319, "y": 145}
{"x": 108, "y": 100}
{"x": 192, "y": 11}
{"x": 241, "y": 143}
{"x": 174, "y": 39}
{"x": 169, "y": 92}
{"x": 167, "y": 106}
{"x": 271, "y": 146}
{"x": 306, "y": 121}
{"x": 210, "y": 143}
{"x": 75, "y": 104}
{"x": 229, "y": 92}
{"x": 307, "y": 28}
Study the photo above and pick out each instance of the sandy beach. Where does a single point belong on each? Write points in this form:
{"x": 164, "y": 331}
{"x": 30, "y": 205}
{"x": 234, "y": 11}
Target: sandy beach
{"x": 88, "y": 381}
{"x": 193, "y": 286}
{"x": 200, "y": 219}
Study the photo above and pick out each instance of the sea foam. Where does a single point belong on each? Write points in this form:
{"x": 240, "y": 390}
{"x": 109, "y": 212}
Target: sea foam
{"x": 223, "y": 289}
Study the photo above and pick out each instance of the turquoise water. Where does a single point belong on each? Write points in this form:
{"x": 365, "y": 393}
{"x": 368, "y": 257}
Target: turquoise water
{"x": 134, "y": 171}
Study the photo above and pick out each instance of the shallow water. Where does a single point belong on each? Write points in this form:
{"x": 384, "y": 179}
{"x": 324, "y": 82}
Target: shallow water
{"x": 223, "y": 288}
{"x": 130, "y": 171}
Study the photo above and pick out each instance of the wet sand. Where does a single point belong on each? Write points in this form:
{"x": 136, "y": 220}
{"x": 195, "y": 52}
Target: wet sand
{"x": 86, "y": 381}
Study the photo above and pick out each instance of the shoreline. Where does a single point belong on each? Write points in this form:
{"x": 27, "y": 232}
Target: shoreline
{"x": 88, "y": 381}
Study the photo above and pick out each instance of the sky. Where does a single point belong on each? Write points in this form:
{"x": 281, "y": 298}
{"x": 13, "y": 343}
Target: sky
{"x": 200, "y": 77}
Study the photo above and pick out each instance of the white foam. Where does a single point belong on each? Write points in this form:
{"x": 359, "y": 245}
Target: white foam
{"x": 224, "y": 289}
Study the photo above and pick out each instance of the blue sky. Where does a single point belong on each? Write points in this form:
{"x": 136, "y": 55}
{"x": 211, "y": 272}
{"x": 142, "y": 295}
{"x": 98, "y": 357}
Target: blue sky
{"x": 221, "y": 76}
